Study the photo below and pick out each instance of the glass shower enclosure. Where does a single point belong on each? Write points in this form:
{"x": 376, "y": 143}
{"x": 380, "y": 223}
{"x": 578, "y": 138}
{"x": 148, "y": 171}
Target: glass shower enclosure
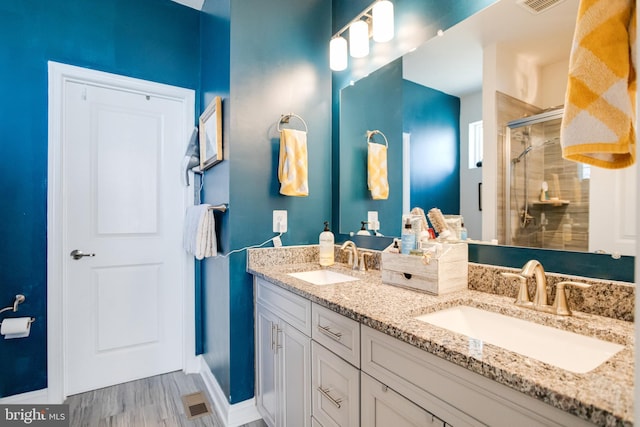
{"x": 548, "y": 196}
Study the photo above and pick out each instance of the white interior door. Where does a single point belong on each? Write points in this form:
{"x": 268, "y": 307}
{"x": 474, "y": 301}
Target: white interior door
{"x": 123, "y": 202}
{"x": 612, "y": 210}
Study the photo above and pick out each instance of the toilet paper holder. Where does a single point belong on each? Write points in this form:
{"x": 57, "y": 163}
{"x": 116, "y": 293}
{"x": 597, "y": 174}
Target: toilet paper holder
{"x": 19, "y": 300}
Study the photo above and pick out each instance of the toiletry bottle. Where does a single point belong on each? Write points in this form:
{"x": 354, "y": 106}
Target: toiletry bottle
{"x": 408, "y": 238}
{"x": 544, "y": 191}
{"x": 463, "y": 232}
{"x": 326, "y": 246}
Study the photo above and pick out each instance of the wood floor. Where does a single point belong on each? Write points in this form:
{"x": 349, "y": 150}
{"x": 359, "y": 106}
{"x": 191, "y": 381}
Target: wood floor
{"x": 150, "y": 402}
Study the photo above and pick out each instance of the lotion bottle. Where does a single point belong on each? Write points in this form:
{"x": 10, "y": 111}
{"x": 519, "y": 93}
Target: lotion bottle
{"x": 326, "y": 241}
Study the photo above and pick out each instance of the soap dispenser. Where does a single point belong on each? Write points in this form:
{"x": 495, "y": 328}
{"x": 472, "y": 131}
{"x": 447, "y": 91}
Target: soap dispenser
{"x": 363, "y": 231}
{"x": 326, "y": 246}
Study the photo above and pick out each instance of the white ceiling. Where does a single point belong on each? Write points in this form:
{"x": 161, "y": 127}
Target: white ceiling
{"x": 453, "y": 63}
{"x": 195, "y": 4}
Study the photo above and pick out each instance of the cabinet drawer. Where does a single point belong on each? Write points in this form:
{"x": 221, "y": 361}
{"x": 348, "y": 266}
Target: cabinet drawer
{"x": 337, "y": 333}
{"x": 335, "y": 394}
{"x": 381, "y": 406}
{"x": 451, "y": 392}
{"x": 292, "y": 308}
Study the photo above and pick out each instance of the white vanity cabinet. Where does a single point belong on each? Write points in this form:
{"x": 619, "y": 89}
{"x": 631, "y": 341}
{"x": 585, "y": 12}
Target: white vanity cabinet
{"x": 318, "y": 368}
{"x": 283, "y": 356}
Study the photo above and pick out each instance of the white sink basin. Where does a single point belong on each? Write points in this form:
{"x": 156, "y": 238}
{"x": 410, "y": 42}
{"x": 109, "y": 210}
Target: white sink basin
{"x": 567, "y": 350}
{"x": 323, "y": 277}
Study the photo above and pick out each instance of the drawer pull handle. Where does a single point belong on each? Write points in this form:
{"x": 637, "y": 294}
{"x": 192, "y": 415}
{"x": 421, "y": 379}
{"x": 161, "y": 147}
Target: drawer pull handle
{"x": 274, "y": 336}
{"x": 326, "y": 394}
{"x": 278, "y": 332}
{"x": 328, "y": 332}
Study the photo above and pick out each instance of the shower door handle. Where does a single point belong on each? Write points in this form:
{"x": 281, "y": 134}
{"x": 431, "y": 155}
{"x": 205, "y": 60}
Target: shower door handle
{"x": 76, "y": 254}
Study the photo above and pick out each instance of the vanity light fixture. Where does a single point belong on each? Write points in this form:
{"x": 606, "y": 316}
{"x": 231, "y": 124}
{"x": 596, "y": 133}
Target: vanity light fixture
{"x": 376, "y": 20}
{"x": 383, "y": 21}
{"x": 338, "y": 53}
{"x": 359, "y": 39}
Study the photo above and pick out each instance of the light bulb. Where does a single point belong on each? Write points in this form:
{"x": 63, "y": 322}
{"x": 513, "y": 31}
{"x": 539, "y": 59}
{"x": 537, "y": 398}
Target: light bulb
{"x": 338, "y": 54}
{"x": 359, "y": 39}
{"x": 383, "y": 21}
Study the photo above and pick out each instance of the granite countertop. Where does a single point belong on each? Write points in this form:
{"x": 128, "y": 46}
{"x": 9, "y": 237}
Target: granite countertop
{"x": 603, "y": 396}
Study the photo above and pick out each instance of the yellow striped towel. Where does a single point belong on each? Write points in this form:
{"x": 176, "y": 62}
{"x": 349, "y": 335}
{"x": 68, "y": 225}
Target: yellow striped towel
{"x": 377, "y": 171}
{"x": 598, "y": 126}
{"x": 293, "y": 167}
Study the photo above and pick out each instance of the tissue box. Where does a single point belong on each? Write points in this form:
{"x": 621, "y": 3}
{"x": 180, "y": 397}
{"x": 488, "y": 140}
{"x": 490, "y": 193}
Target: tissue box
{"x": 445, "y": 273}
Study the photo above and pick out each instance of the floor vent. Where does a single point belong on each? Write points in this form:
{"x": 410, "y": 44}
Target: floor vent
{"x": 538, "y": 6}
{"x": 196, "y": 405}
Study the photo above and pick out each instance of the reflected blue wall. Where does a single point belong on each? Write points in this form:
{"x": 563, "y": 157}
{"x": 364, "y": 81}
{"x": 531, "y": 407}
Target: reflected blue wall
{"x": 373, "y": 103}
{"x": 419, "y": 21}
{"x": 156, "y": 40}
{"x": 386, "y": 102}
{"x": 432, "y": 118}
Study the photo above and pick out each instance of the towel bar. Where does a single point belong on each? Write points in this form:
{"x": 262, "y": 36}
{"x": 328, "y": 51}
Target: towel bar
{"x": 221, "y": 208}
{"x": 370, "y": 134}
{"x": 285, "y": 119}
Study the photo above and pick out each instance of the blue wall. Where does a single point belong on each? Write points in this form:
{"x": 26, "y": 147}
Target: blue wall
{"x": 155, "y": 40}
{"x": 433, "y": 120}
{"x": 215, "y": 47}
{"x": 278, "y": 63}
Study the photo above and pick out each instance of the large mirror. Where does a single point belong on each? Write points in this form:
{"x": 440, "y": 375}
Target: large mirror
{"x": 450, "y": 111}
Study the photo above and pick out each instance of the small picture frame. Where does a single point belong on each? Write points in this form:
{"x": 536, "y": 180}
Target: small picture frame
{"x": 211, "y": 134}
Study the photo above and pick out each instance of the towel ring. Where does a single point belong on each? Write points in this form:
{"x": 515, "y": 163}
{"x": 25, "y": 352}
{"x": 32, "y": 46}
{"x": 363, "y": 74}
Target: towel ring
{"x": 285, "y": 119}
{"x": 370, "y": 134}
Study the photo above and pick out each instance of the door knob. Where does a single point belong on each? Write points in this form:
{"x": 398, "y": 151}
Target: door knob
{"x": 76, "y": 254}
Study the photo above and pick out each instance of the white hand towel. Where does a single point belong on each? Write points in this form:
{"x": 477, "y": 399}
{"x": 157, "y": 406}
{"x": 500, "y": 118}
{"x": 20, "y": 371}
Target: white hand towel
{"x": 199, "y": 236}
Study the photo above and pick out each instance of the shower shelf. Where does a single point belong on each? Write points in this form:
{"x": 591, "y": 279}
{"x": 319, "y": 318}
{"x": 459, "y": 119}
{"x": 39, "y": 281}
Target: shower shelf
{"x": 557, "y": 202}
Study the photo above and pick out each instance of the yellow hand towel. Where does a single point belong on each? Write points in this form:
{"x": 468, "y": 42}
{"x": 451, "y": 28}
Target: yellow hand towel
{"x": 598, "y": 126}
{"x": 377, "y": 171}
{"x": 292, "y": 167}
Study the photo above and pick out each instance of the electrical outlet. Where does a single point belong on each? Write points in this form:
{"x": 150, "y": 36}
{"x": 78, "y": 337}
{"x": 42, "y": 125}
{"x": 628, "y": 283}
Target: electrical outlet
{"x": 279, "y": 221}
{"x": 372, "y": 218}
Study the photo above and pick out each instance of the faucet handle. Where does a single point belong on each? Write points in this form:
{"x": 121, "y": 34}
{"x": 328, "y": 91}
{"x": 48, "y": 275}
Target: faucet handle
{"x": 560, "y": 304}
{"x": 523, "y": 293}
{"x": 363, "y": 263}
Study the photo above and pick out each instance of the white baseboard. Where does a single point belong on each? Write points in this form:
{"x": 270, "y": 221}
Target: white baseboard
{"x": 231, "y": 415}
{"x": 38, "y": 397}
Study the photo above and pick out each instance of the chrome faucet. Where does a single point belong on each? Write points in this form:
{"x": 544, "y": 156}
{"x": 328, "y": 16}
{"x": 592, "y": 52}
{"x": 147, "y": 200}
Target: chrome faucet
{"x": 353, "y": 253}
{"x": 534, "y": 269}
